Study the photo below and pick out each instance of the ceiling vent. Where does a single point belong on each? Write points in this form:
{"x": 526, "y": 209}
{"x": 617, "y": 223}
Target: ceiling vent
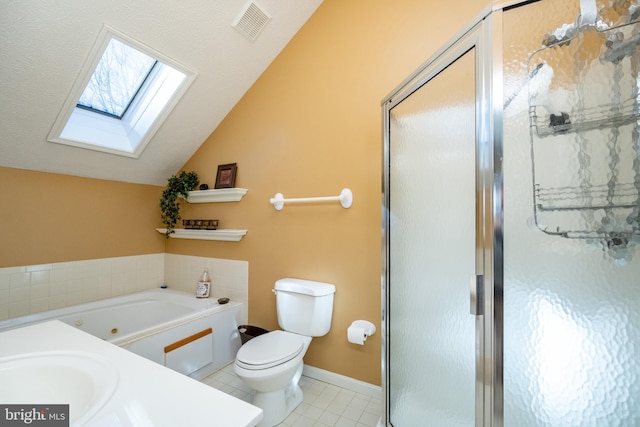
{"x": 251, "y": 21}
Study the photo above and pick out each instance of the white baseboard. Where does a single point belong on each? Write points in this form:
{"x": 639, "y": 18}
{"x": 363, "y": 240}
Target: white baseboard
{"x": 343, "y": 381}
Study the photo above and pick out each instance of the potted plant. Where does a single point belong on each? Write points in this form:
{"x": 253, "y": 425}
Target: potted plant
{"x": 179, "y": 185}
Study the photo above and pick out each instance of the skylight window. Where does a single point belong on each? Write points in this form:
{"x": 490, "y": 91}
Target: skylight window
{"x": 116, "y": 80}
{"x": 121, "y": 98}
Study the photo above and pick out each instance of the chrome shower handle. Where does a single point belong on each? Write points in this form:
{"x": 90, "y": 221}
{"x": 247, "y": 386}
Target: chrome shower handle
{"x": 476, "y": 294}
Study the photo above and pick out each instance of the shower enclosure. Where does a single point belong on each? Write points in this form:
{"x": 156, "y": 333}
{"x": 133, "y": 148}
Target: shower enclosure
{"x": 511, "y": 286}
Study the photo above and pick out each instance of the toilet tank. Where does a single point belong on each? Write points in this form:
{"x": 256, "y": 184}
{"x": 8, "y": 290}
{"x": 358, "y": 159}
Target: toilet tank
{"x": 304, "y": 307}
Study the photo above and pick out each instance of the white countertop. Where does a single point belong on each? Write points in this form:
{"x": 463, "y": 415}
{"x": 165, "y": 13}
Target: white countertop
{"x": 147, "y": 394}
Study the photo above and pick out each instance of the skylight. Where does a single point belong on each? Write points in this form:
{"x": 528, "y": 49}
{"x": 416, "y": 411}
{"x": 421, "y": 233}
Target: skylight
{"x": 116, "y": 80}
{"x": 121, "y": 98}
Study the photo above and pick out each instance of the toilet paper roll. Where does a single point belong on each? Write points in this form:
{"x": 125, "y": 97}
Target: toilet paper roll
{"x": 356, "y": 334}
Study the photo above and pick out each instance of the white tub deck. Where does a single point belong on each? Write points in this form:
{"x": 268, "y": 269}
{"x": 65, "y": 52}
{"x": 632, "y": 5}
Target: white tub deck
{"x": 195, "y": 336}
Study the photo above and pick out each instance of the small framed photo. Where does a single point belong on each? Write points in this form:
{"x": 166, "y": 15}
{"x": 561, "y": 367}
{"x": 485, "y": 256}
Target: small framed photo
{"x": 226, "y": 177}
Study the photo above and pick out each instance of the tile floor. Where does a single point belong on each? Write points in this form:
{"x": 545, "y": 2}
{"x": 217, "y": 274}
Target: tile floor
{"x": 323, "y": 405}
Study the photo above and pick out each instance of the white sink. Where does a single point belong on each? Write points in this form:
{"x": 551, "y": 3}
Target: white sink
{"x": 85, "y": 381}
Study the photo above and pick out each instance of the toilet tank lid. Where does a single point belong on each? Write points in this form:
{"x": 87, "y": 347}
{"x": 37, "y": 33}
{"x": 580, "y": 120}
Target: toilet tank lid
{"x": 307, "y": 287}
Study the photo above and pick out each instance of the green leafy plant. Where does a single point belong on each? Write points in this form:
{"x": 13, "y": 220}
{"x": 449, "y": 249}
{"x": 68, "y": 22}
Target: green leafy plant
{"x": 170, "y": 207}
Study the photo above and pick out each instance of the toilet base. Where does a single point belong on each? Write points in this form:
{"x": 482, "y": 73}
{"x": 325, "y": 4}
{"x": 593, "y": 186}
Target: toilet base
{"x": 278, "y": 405}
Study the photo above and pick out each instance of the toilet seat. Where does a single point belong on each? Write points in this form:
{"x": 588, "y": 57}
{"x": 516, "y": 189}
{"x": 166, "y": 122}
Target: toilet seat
{"x": 268, "y": 350}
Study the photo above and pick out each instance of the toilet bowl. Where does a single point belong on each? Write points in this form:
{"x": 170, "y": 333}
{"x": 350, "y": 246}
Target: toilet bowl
{"x": 271, "y": 364}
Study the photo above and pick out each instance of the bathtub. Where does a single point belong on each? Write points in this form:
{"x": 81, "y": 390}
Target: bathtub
{"x": 190, "y": 335}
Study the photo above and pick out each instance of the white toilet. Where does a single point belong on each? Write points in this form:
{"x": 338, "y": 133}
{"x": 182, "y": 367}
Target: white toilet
{"x": 271, "y": 364}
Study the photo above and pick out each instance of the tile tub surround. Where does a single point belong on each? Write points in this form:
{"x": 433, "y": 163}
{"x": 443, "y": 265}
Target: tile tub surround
{"x": 35, "y": 288}
{"x": 229, "y": 278}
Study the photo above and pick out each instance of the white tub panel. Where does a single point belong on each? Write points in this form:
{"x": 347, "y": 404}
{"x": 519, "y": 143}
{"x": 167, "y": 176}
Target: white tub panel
{"x": 191, "y": 353}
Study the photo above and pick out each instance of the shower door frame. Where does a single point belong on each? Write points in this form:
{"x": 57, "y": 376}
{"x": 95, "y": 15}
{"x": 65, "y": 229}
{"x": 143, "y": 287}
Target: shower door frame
{"x": 484, "y": 34}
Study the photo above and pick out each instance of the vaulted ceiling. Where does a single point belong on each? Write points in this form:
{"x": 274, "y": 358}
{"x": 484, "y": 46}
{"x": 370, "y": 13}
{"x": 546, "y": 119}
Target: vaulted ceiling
{"x": 44, "y": 44}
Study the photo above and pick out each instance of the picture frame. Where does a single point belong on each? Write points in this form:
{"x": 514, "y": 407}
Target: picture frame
{"x": 226, "y": 176}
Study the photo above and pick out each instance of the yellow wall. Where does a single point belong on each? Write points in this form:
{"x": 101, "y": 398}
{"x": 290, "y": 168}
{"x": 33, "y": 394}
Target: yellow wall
{"x": 310, "y": 126}
{"x": 49, "y": 218}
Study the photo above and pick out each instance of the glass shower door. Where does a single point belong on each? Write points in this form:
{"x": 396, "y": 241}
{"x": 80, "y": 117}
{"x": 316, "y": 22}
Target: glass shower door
{"x": 432, "y": 247}
{"x": 572, "y": 258}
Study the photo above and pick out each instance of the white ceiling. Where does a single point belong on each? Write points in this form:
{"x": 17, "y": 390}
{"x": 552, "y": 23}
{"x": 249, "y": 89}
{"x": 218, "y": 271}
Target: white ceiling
{"x": 43, "y": 45}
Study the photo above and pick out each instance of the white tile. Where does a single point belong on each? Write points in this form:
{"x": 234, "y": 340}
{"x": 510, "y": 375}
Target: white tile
{"x": 331, "y": 390}
{"x": 58, "y": 275}
{"x": 323, "y": 401}
{"x": 346, "y": 395}
{"x": 373, "y": 407}
{"x": 353, "y": 412}
{"x": 291, "y": 419}
{"x": 74, "y": 273}
{"x": 5, "y": 280}
{"x": 118, "y": 267}
{"x": 19, "y": 308}
{"x": 57, "y": 301}
{"x": 74, "y": 298}
{"x": 314, "y": 410}
{"x": 19, "y": 280}
{"x": 345, "y": 422}
{"x": 4, "y": 298}
{"x": 88, "y": 268}
{"x": 74, "y": 285}
{"x": 369, "y": 419}
{"x": 226, "y": 388}
{"x": 42, "y": 267}
{"x": 62, "y": 265}
{"x": 86, "y": 279}
{"x": 328, "y": 418}
{"x": 315, "y": 386}
{"x": 89, "y": 294}
{"x": 22, "y": 294}
{"x": 309, "y": 397}
{"x": 337, "y": 407}
{"x": 90, "y": 282}
{"x": 38, "y": 305}
{"x": 39, "y": 291}
{"x": 104, "y": 292}
{"x": 117, "y": 289}
{"x": 304, "y": 422}
{"x": 11, "y": 270}
{"x": 359, "y": 401}
{"x": 104, "y": 266}
{"x": 57, "y": 288}
{"x": 309, "y": 411}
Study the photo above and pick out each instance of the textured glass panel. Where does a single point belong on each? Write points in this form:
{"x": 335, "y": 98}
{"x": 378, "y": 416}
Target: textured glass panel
{"x": 432, "y": 252}
{"x": 571, "y": 286}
